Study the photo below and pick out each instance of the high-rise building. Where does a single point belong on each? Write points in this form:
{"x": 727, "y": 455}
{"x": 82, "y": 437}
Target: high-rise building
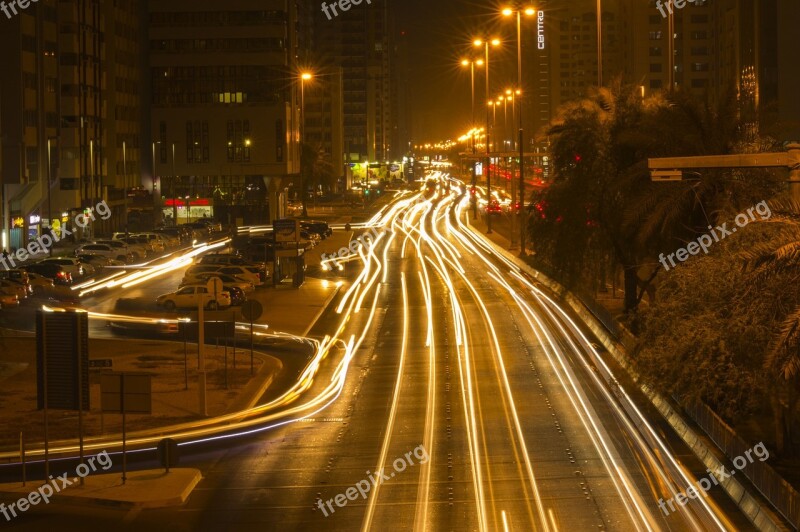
{"x": 77, "y": 99}
{"x": 323, "y": 130}
{"x": 225, "y": 107}
{"x": 29, "y": 119}
{"x": 359, "y": 41}
{"x": 744, "y": 46}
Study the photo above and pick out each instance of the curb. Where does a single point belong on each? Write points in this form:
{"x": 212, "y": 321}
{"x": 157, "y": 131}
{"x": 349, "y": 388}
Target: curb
{"x": 254, "y": 396}
{"x": 762, "y": 516}
{"x": 321, "y": 311}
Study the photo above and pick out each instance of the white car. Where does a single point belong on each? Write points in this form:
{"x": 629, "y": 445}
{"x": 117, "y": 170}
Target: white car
{"x": 99, "y": 261}
{"x": 138, "y": 249}
{"x": 227, "y": 281}
{"x": 241, "y": 272}
{"x": 71, "y": 265}
{"x": 122, "y": 247}
{"x": 191, "y": 296}
{"x": 106, "y": 250}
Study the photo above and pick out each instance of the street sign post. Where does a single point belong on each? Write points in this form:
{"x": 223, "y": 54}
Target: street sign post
{"x": 126, "y": 393}
{"x": 252, "y": 310}
{"x": 62, "y": 368}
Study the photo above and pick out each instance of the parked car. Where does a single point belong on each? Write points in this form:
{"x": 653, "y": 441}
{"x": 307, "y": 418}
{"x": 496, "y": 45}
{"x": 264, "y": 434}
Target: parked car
{"x": 200, "y": 230}
{"x": 153, "y": 246}
{"x": 122, "y": 247}
{"x": 71, "y": 264}
{"x": 228, "y": 259}
{"x": 99, "y": 261}
{"x": 156, "y": 242}
{"x": 20, "y": 277}
{"x": 39, "y": 283}
{"x": 237, "y": 295}
{"x": 58, "y": 273}
{"x": 106, "y": 250}
{"x": 227, "y": 280}
{"x": 320, "y": 228}
{"x": 244, "y": 272}
{"x": 9, "y": 287}
{"x": 213, "y": 226}
{"x": 192, "y": 296}
{"x": 173, "y": 237}
{"x": 136, "y": 247}
{"x": 8, "y": 300}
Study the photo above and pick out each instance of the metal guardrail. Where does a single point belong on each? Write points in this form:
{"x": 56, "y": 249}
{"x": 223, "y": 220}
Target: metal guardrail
{"x": 772, "y": 486}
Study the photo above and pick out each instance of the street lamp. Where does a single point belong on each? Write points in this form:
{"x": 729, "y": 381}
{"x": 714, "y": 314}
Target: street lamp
{"x": 471, "y": 63}
{"x": 529, "y": 11}
{"x": 49, "y": 207}
{"x": 125, "y": 185}
{"x": 486, "y": 43}
{"x": 155, "y": 187}
{"x": 304, "y": 76}
{"x": 174, "y": 194}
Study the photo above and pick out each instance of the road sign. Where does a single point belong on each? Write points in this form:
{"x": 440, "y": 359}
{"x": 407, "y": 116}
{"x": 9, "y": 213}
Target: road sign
{"x": 666, "y": 175}
{"x": 101, "y": 363}
{"x": 126, "y": 392}
{"x": 62, "y": 359}
{"x": 286, "y": 230}
{"x": 252, "y": 310}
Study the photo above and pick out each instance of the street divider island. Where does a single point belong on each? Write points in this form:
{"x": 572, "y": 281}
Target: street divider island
{"x": 55, "y": 485}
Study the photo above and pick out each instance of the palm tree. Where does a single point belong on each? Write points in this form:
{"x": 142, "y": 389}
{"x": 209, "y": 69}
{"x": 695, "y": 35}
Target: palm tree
{"x": 770, "y": 263}
{"x": 602, "y": 206}
{"x": 598, "y": 147}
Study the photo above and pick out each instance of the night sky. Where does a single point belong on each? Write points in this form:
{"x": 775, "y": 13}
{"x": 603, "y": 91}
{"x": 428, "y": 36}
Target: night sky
{"x": 441, "y": 33}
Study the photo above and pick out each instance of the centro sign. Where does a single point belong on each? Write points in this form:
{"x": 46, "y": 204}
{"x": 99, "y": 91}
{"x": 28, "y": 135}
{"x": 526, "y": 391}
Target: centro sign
{"x": 540, "y": 29}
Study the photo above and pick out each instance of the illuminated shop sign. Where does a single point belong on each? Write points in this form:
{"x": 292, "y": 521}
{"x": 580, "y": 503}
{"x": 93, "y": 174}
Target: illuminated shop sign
{"x": 540, "y": 29}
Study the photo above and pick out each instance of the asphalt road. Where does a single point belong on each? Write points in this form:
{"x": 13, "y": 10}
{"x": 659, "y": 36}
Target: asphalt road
{"x": 478, "y": 399}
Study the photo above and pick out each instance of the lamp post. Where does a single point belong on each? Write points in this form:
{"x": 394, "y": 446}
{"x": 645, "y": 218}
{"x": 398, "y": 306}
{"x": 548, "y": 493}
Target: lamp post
{"x": 125, "y": 185}
{"x": 173, "y": 192}
{"x": 49, "y": 207}
{"x": 472, "y": 64}
{"x": 485, "y": 43}
{"x": 528, "y": 11}
{"x": 304, "y": 76}
{"x": 156, "y": 195}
